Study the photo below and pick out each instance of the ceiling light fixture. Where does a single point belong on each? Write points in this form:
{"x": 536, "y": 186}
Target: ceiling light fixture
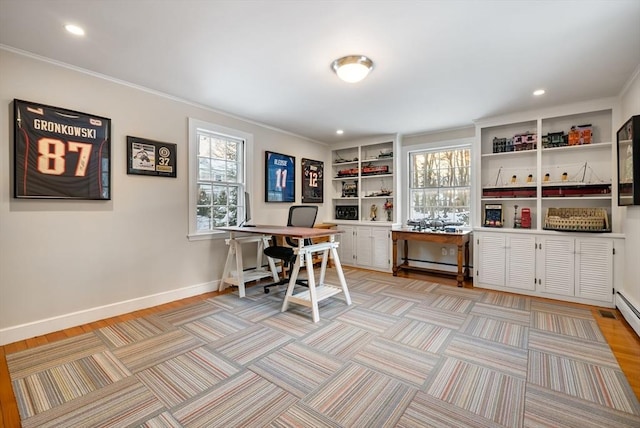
{"x": 538, "y": 92}
{"x": 352, "y": 68}
{"x": 339, "y": 132}
{"x": 74, "y": 29}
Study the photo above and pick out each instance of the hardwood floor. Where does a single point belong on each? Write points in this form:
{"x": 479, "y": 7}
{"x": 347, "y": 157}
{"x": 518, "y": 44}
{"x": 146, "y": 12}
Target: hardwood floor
{"x": 621, "y": 338}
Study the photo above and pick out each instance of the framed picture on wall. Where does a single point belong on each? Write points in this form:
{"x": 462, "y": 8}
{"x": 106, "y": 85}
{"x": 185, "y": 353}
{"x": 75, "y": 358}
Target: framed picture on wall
{"x": 147, "y": 157}
{"x": 280, "y": 177}
{"x": 60, "y": 153}
{"x": 312, "y": 181}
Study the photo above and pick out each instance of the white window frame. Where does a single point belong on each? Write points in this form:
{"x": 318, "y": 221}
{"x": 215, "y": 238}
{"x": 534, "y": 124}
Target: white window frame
{"x": 194, "y": 125}
{"x": 435, "y": 146}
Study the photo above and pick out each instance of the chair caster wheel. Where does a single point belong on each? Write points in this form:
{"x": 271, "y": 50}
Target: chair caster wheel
{"x": 266, "y": 290}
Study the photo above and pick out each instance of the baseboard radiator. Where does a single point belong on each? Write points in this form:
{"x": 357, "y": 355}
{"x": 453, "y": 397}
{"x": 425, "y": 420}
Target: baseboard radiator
{"x": 629, "y": 312}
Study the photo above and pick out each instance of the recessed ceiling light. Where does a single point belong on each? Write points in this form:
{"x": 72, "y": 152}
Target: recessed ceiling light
{"x": 538, "y": 92}
{"x": 74, "y": 29}
{"x": 339, "y": 132}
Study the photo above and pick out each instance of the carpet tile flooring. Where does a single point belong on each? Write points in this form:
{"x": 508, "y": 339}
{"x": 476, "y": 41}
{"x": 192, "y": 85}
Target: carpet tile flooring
{"x": 406, "y": 353}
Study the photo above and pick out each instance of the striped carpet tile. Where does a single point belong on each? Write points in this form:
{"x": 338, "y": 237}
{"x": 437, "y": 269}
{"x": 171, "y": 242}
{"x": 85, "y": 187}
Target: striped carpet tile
{"x": 369, "y": 320}
{"x": 496, "y": 331}
{"x": 511, "y": 315}
{"x": 338, "y": 339}
{"x": 419, "y": 286}
{"x": 441, "y": 317}
{"x": 427, "y": 411}
{"x": 488, "y": 393}
{"x": 419, "y": 335}
{"x": 192, "y": 312}
{"x": 602, "y": 385}
{"x": 44, "y": 390}
{"x": 459, "y": 292}
{"x": 185, "y": 376}
{"x": 453, "y": 304}
{"x": 34, "y": 360}
{"x": 360, "y": 397}
{"x": 496, "y": 356}
{"x": 127, "y": 332}
{"x": 294, "y": 324}
{"x": 410, "y": 295}
{"x": 569, "y": 326}
{"x": 247, "y": 345}
{"x": 559, "y": 308}
{"x": 216, "y": 326}
{"x": 546, "y": 408}
{"x": 296, "y": 368}
{"x": 510, "y": 301}
{"x": 400, "y": 362}
{"x": 163, "y": 420}
{"x": 246, "y": 400}
{"x": 123, "y": 403}
{"x": 389, "y": 305}
{"x": 301, "y": 416}
{"x": 572, "y": 347}
{"x": 260, "y": 310}
{"x": 149, "y": 352}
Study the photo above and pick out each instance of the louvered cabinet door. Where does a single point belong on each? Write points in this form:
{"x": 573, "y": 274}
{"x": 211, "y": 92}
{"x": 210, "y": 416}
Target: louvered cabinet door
{"x": 594, "y": 269}
{"x": 521, "y": 262}
{"x": 557, "y": 267}
{"x": 491, "y": 248}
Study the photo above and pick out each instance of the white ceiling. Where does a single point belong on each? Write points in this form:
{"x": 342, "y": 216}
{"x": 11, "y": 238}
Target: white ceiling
{"x": 438, "y": 64}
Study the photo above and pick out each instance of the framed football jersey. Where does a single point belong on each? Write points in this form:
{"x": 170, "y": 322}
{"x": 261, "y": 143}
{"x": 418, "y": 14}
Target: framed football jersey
{"x": 60, "y": 153}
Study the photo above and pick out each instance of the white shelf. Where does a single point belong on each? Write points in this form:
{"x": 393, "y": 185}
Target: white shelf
{"x": 593, "y": 146}
{"x": 506, "y": 154}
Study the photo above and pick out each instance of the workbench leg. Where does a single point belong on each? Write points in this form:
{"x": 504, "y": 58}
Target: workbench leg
{"x": 311, "y": 281}
{"x": 292, "y": 284}
{"x": 343, "y": 282}
{"x": 239, "y": 269}
{"x": 227, "y": 266}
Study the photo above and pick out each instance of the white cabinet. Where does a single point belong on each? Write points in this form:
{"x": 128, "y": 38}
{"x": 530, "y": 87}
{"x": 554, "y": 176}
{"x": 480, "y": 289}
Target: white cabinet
{"x": 364, "y": 181}
{"x": 547, "y": 264}
{"x": 365, "y": 246}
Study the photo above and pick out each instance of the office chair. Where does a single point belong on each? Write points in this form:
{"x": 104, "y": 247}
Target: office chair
{"x": 300, "y": 216}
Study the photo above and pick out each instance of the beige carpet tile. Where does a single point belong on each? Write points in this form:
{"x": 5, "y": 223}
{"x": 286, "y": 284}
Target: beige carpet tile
{"x": 453, "y": 304}
{"x": 418, "y": 286}
{"x": 120, "y": 404}
{"x": 150, "y": 352}
{"x": 496, "y": 356}
{"x": 459, "y": 292}
{"x": 427, "y": 411}
{"x": 249, "y": 344}
{"x": 189, "y": 313}
{"x": 397, "y": 361}
{"x": 496, "y": 331}
{"x": 566, "y": 325}
{"x": 55, "y": 386}
{"x": 301, "y": 416}
{"x": 216, "y": 326}
{"x": 487, "y": 393}
{"x": 372, "y": 287}
{"x": 187, "y": 375}
{"x": 135, "y": 330}
{"x": 163, "y": 420}
{"x": 339, "y": 339}
{"x": 260, "y": 310}
{"x": 511, "y": 315}
{"x": 436, "y": 316}
{"x": 231, "y": 301}
{"x": 559, "y": 308}
{"x": 414, "y": 296}
{"x": 419, "y": 335}
{"x": 294, "y": 323}
{"x": 34, "y": 360}
{"x": 296, "y": 368}
{"x": 369, "y": 320}
{"x": 246, "y": 400}
{"x": 360, "y": 397}
{"x": 601, "y": 385}
{"x": 389, "y": 305}
{"x": 511, "y": 301}
{"x": 552, "y": 409}
{"x": 572, "y": 347}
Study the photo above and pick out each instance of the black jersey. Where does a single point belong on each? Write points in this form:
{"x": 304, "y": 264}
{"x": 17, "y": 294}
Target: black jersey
{"x": 60, "y": 153}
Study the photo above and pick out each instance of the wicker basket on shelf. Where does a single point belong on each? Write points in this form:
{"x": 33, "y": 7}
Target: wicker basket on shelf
{"x": 577, "y": 219}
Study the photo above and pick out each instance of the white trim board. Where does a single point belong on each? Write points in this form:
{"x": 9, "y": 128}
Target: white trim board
{"x": 629, "y": 312}
{"x": 49, "y": 325}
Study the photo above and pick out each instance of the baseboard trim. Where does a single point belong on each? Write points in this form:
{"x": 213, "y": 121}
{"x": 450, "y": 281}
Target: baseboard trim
{"x": 629, "y": 312}
{"x": 49, "y": 325}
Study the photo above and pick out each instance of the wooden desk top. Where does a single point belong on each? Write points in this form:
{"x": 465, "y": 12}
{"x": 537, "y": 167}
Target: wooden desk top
{"x": 291, "y": 231}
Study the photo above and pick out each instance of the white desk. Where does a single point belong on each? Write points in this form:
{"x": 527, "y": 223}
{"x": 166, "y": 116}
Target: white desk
{"x": 316, "y": 291}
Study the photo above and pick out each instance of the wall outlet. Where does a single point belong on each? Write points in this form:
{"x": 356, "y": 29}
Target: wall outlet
{"x": 444, "y": 251}
{"x": 452, "y": 251}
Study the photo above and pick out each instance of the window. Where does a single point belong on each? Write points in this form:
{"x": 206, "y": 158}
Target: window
{"x": 218, "y": 177}
{"x": 439, "y": 184}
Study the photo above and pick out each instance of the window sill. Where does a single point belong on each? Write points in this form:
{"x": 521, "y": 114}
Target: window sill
{"x": 203, "y": 236}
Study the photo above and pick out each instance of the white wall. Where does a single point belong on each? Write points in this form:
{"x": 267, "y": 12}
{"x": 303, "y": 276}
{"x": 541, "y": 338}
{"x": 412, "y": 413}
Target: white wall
{"x": 65, "y": 262}
{"x": 630, "y": 101}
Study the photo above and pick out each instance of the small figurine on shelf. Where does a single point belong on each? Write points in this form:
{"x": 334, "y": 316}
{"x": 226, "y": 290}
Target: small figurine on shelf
{"x": 388, "y": 208}
{"x": 373, "y": 213}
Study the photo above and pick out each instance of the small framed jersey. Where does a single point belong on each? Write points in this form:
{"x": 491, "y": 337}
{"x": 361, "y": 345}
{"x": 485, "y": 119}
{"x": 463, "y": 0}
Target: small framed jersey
{"x": 60, "y": 153}
{"x": 312, "y": 181}
{"x": 149, "y": 157}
